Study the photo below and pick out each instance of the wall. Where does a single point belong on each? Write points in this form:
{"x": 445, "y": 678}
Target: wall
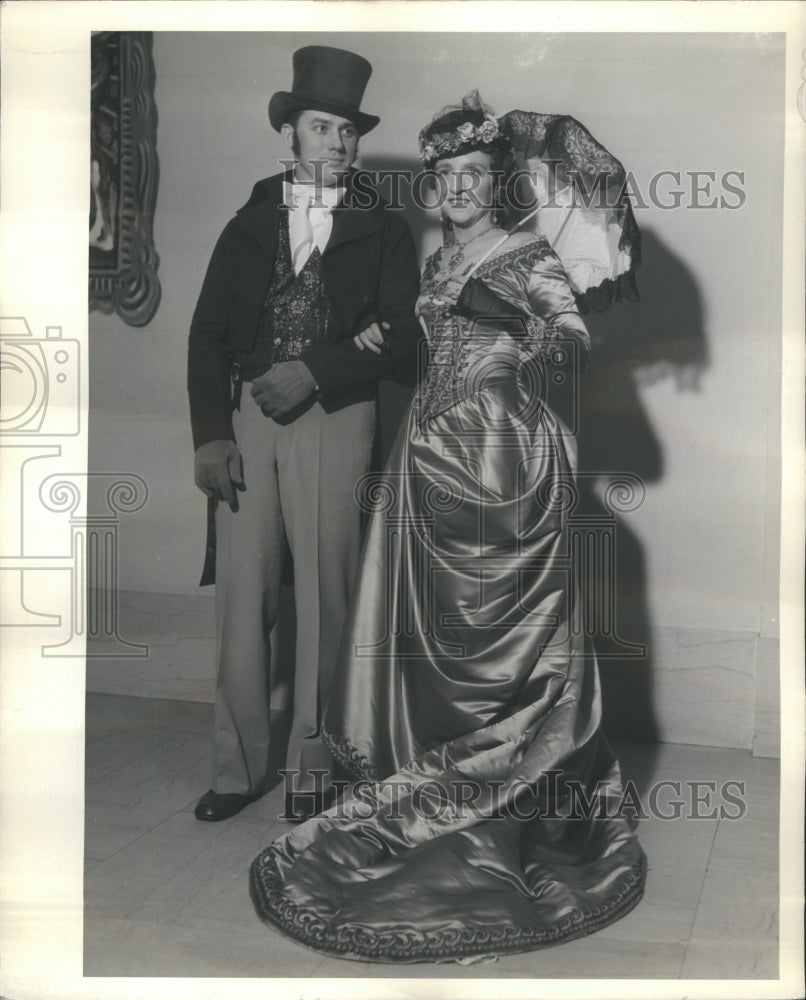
{"x": 682, "y": 391}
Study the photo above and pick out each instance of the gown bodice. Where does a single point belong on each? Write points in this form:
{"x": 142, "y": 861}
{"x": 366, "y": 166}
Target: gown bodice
{"x": 525, "y": 314}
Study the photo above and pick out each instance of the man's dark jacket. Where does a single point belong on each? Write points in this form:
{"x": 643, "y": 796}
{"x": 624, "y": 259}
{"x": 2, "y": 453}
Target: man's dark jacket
{"x": 370, "y": 272}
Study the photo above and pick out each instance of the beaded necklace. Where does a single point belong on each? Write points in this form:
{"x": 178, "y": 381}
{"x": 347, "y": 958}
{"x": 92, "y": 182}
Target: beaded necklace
{"x": 458, "y": 253}
{"x": 448, "y": 268}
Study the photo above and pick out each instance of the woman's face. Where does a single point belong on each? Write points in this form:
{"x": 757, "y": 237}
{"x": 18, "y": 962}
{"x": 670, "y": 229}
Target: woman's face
{"x": 468, "y": 184}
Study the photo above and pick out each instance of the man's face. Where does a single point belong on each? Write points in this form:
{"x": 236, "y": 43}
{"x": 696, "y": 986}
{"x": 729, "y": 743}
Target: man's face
{"x": 321, "y": 136}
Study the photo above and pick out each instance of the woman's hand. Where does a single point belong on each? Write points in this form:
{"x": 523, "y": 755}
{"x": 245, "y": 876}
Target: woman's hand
{"x": 424, "y": 308}
{"x": 372, "y": 338}
{"x": 449, "y": 291}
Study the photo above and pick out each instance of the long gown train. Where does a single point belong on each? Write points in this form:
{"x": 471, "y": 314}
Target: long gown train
{"x": 488, "y": 818}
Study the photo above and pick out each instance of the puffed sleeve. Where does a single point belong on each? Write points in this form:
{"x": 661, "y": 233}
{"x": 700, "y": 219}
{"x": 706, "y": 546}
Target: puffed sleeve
{"x": 552, "y": 300}
{"x": 534, "y": 287}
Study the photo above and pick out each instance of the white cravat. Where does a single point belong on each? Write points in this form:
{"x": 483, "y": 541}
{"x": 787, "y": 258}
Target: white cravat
{"x": 310, "y": 221}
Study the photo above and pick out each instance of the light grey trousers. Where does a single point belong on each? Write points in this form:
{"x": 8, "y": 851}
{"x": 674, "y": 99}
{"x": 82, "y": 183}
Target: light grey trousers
{"x": 300, "y": 480}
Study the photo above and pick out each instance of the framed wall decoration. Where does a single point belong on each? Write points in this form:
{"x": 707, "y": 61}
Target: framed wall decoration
{"x": 124, "y": 175}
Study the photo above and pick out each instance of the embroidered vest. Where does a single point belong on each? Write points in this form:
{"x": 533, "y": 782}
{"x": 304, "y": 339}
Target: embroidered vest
{"x": 296, "y": 312}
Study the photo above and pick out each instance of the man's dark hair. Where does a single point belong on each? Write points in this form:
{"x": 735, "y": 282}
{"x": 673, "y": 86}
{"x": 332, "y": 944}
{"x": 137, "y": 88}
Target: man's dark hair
{"x": 293, "y": 121}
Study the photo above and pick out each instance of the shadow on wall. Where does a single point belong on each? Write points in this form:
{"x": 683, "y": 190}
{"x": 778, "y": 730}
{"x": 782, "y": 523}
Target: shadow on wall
{"x": 634, "y": 345}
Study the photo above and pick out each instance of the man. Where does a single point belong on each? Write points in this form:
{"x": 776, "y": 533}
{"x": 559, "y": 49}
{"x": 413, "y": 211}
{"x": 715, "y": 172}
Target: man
{"x": 294, "y": 276}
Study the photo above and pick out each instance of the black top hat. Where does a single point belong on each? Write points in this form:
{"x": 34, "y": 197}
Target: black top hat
{"x": 325, "y": 79}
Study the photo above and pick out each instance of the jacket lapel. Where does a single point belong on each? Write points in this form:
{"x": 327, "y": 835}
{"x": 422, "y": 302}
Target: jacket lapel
{"x": 260, "y": 215}
{"x": 352, "y": 223}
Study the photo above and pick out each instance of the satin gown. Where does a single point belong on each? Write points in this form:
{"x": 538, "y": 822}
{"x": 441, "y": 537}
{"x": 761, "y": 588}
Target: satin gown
{"x": 488, "y": 816}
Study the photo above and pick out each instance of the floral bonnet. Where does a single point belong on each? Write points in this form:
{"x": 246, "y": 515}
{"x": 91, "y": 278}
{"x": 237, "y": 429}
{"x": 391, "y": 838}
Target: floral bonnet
{"x": 461, "y": 128}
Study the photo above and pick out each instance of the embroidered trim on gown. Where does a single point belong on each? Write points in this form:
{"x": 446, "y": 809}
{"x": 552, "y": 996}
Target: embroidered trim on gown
{"x": 467, "y": 697}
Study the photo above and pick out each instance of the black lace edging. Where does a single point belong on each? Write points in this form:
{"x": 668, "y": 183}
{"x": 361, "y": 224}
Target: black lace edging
{"x": 603, "y": 296}
{"x": 528, "y": 253}
{"x": 304, "y": 925}
{"x": 610, "y": 291}
{"x": 357, "y": 764}
{"x": 533, "y": 250}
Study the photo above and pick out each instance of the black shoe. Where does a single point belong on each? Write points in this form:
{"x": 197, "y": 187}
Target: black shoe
{"x": 300, "y": 806}
{"x": 213, "y": 807}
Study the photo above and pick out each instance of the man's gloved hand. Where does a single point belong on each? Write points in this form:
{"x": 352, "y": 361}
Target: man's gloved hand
{"x": 283, "y": 387}
{"x": 218, "y": 470}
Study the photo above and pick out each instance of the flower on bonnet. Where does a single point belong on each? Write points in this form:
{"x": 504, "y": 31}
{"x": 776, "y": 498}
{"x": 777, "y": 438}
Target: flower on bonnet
{"x": 459, "y": 128}
{"x": 489, "y": 129}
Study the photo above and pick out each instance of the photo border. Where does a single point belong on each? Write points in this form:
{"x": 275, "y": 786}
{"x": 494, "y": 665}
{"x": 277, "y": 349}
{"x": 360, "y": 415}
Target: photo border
{"x": 45, "y": 50}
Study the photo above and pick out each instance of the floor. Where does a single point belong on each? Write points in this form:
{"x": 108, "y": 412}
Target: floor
{"x": 166, "y": 895}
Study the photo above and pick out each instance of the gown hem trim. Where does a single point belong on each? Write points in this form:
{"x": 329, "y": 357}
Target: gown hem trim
{"x": 305, "y": 926}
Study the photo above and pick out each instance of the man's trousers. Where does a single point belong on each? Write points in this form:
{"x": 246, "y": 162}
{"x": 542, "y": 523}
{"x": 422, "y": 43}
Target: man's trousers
{"x": 300, "y": 480}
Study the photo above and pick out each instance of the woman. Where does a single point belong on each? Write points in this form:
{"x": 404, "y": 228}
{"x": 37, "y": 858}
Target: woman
{"x": 467, "y": 696}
